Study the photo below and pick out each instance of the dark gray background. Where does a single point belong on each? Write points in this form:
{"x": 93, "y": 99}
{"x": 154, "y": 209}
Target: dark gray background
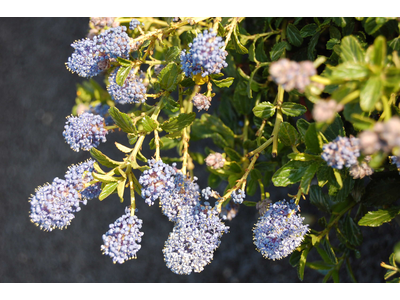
{"x": 37, "y": 93}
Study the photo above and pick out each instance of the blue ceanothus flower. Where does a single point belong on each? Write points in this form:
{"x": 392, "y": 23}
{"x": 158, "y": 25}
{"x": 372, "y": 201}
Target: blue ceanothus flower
{"x": 342, "y": 151}
{"x": 92, "y": 56}
{"x": 238, "y": 196}
{"x": 53, "y": 205}
{"x": 196, "y": 235}
{"x": 85, "y": 131}
{"x": 122, "y": 241}
{"x": 280, "y": 230}
{"x": 173, "y": 189}
{"x": 78, "y": 175}
{"x": 132, "y": 90}
{"x": 205, "y": 55}
{"x": 134, "y": 23}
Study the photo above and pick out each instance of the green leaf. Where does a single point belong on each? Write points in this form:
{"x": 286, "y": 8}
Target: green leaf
{"x": 103, "y": 159}
{"x": 123, "y": 148}
{"x": 168, "y": 77}
{"x": 179, "y": 122}
{"x": 172, "y": 53}
{"x": 290, "y": 173}
{"x": 326, "y": 246}
{"x": 370, "y": 93}
{"x": 362, "y": 123}
{"x": 294, "y": 35}
{"x": 350, "y": 230}
{"x": 108, "y": 189}
{"x": 313, "y": 139}
{"x": 302, "y": 126}
{"x": 241, "y": 102}
{"x": 311, "y": 46}
{"x": 124, "y": 62}
{"x": 293, "y": 109}
{"x": 238, "y": 46}
{"x": 309, "y": 30}
{"x": 303, "y": 157}
{"x": 214, "y": 180}
{"x": 121, "y": 189}
{"x": 260, "y": 52}
{"x": 350, "y": 71}
{"x": 187, "y": 82}
{"x": 319, "y": 199}
{"x": 288, "y": 135}
{"x": 377, "y": 218}
{"x": 379, "y": 52}
{"x": 295, "y": 258}
{"x": 277, "y": 50}
{"x": 372, "y": 25}
{"x": 146, "y": 124}
{"x": 335, "y": 129}
{"x": 232, "y": 154}
{"x": 226, "y": 82}
{"x": 122, "y": 120}
{"x": 122, "y": 74}
{"x": 351, "y": 50}
{"x": 249, "y": 203}
{"x": 331, "y": 43}
{"x": 264, "y": 110}
{"x": 302, "y": 263}
{"x": 308, "y": 176}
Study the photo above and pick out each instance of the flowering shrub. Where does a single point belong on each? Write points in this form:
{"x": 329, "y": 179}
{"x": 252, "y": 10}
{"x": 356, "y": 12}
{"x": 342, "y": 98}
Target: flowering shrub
{"x": 305, "y": 102}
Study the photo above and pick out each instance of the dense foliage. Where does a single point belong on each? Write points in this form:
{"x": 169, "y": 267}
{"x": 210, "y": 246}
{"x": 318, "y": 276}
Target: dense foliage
{"x": 305, "y": 102}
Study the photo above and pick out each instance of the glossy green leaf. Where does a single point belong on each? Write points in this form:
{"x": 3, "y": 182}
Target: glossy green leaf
{"x": 350, "y": 230}
{"x": 309, "y": 30}
{"x": 326, "y": 246}
{"x": 226, "y": 82}
{"x": 313, "y": 139}
{"x": 277, "y": 50}
{"x": 179, "y": 122}
{"x": 124, "y": 62}
{"x": 379, "y": 52}
{"x": 370, "y": 93}
{"x": 377, "y": 218}
{"x": 146, "y": 124}
{"x": 335, "y": 129}
{"x": 122, "y": 74}
{"x": 311, "y": 46}
{"x": 302, "y": 126}
{"x": 232, "y": 154}
{"x": 308, "y": 176}
{"x": 288, "y": 135}
{"x": 293, "y": 109}
{"x": 293, "y": 35}
{"x": 319, "y": 199}
{"x": 168, "y": 77}
{"x": 122, "y": 120}
{"x": 108, "y": 189}
{"x": 264, "y": 110}
{"x": 350, "y": 71}
{"x": 290, "y": 173}
{"x": 103, "y": 159}
{"x": 123, "y": 148}
{"x": 351, "y": 50}
{"x": 302, "y": 263}
{"x": 172, "y": 53}
{"x": 238, "y": 46}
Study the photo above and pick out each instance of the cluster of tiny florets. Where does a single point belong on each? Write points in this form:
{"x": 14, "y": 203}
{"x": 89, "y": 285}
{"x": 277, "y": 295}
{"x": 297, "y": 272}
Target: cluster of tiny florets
{"x": 122, "y": 241}
{"x": 342, "y": 151}
{"x": 201, "y": 101}
{"x": 53, "y": 205}
{"x": 196, "y": 235}
{"x": 361, "y": 169}
{"x": 132, "y": 90}
{"x": 238, "y": 196}
{"x": 205, "y": 55}
{"x": 85, "y": 131}
{"x": 134, "y": 23}
{"x": 325, "y": 110}
{"x": 79, "y": 175}
{"x": 383, "y": 137}
{"x": 280, "y": 230}
{"x": 93, "y": 55}
{"x": 102, "y": 110}
{"x": 215, "y": 160}
{"x": 291, "y": 74}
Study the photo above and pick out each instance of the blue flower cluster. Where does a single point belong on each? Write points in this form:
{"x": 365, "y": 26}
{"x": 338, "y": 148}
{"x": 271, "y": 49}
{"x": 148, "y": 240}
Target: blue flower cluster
{"x": 280, "y": 230}
{"x": 132, "y": 91}
{"x": 53, "y": 205}
{"x": 172, "y": 188}
{"x": 196, "y": 235}
{"x": 79, "y": 175}
{"x": 342, "y": 151}
{"x": 85, "y": 131}
{"x": 122, "y": 241}
{"x": 134, "y": 23}
{"x": 238, "y": 196}
{"x": 92, "y": 56}
{"x": 205, "y": 55}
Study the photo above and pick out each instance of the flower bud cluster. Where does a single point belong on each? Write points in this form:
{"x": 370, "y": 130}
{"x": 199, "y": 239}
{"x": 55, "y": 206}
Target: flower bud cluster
{"x": 196, "y": 235}
{"x": 132, "y": 91}
{"x": 342, "y": 151}
{"x": 85, "y": 131}
{"x": 201, "y": 101}
{"x": 325, "y": 110}
{"x": 383, "y": 137}
{"x": 292, "y": 75}
{"x": 280, "y": 230}
{"x": 238, "y": 196}
{"x": 122, "y": 241}
{"x": 205, "y": 55}
{"x": 134, "y": 23}
{"x": 215, "y": 160}
{"x": 53, "y": 205}
{"x": 92, "y": 56}
{"x": 361, "y": 169}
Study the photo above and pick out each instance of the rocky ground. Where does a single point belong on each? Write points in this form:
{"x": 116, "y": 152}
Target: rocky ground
{"x": 37, "y": 93}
